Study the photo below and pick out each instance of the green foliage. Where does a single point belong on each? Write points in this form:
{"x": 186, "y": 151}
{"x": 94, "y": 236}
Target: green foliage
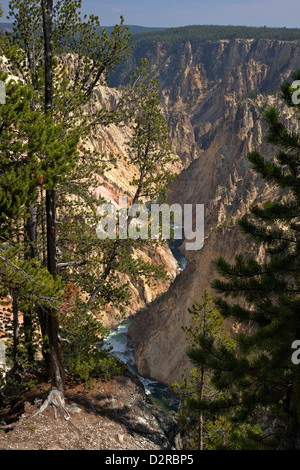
{"x": 263, "y": 380}
{"x": 32, "y": 281}
{"x": 216, "y": 33}
{"x": 246, "y": 438}
{"x": 82, "y": 334}
{"x": 202, "y": 428}
{"x": 47, "y": 151}
{"x": 83, "y": 357}
{"x": 206, "y": 418}
{"x": 16, "y": 184}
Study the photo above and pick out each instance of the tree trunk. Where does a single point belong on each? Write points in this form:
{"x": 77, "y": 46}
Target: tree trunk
{"x": 51, "y": 231}
{"x": 47, "y": 7}
{"x": 31, "y": 228}
{"x": 31, "y": 252}
{"x": 15, "y": 309}
{"x": 200, "y": 418}
{"x": 56, "y": 362}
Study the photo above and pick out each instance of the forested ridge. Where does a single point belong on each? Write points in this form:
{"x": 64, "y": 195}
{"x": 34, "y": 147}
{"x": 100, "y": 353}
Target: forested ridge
{"x": 216, "y": 33}
{"x": 201, "y": 33}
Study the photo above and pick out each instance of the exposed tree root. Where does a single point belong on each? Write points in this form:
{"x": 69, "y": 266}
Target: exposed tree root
{"x": 55, "y": 399}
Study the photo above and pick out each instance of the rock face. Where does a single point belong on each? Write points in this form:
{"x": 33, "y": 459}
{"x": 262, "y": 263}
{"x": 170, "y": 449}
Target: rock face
{"x": 114, "y": 183}
{"x": 201, "y": 80}
{"x": 217, "y": 91}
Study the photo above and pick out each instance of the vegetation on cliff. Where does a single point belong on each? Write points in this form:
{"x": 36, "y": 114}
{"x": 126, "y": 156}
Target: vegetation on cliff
{"x": 258, "y": 383}
{"x": 54, "y": 268}
{"x": 202, "y": 430}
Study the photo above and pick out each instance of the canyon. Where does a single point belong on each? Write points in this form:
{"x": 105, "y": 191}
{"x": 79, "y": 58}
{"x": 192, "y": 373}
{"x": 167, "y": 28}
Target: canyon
{"x": 213, "y": 96}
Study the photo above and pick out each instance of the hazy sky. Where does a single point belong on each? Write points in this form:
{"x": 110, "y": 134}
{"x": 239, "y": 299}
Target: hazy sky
{"x": 186, "y": 12}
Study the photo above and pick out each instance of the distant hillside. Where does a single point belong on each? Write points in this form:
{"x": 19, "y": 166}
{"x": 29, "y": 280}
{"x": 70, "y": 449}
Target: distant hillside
{"x": 171, "y": 40}
{"x": 215, "y": 32}
{"x": 200, "y": 32}
{"x": 5, "y": 26}
{"x": 134, "y": 29}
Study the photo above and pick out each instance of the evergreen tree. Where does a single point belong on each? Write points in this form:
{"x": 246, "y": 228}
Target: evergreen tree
{"x": 40, "y": 31}
{"x": 202, "y": 430}
{"x": 84, "y": 359}
{"x": 261, "y": 382}
{"x": 149, "y": 152}
{"x": 24, "y": 134}
{"x": 60, "y": 60}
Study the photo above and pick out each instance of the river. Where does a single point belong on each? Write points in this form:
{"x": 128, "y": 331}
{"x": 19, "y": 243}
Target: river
{"x": 159, "y": 393}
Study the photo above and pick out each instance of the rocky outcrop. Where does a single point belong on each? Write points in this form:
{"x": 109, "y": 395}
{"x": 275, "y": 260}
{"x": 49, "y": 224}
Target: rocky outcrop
{"x": 222, "y": 89}
{"x": 114, "y": 415}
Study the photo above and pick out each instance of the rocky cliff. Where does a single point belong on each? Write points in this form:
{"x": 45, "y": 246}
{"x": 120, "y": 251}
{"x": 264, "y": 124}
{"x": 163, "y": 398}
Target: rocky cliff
{"x": 214, "y": 95}
{"x": 116, "y": 182}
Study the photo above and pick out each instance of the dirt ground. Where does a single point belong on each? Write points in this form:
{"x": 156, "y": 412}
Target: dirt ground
{"x": 116, "y": 415}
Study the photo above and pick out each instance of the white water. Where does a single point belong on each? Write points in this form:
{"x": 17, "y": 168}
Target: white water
{"x": 159, "y": 393}
{"x": 117, "y": 340}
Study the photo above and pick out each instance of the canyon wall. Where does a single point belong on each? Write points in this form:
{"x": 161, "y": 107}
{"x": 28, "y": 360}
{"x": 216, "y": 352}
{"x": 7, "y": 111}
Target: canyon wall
{"x": 213, "y": 95}
{"x": 116, "y": 182}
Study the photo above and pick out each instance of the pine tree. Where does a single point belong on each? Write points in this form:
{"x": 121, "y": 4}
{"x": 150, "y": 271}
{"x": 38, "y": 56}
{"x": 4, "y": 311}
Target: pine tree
{"x": 149, "y": 152}
{"x": 203, "y": 429}
{"x": 40, "y": 31}
{"x": 84, "y": 359}
{"x": 61, "y": 59}
{"x": 261, "y": 381}
{"x": 21, "y": 129}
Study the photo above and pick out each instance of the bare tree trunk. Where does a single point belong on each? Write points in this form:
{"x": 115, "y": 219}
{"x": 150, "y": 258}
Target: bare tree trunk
{"x": 200, "y": 423}
{"x": 15, "y": 309}
{"x": 56, "y": 362}
{"x": 51, "y": 231}
{"x": 47, "y": 8}
{"x": 200, "y": 393}
{"x": 32, "y": 232}
{"x": 32, "y": 251}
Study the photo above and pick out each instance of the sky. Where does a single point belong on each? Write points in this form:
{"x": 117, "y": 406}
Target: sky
{"x": 173, "y": 13}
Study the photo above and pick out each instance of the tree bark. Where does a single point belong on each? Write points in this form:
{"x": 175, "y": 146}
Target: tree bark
{"x": 47, "y": 8}
{"x": 200, "y": 423}
{"x": 56, "y": 362}
{"x": 15, "y": 309}
{"x": 32, "y": 251}
{"x": 31, "y": 228}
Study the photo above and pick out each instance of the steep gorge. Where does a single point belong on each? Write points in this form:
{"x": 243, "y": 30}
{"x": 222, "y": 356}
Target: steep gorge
{"x": 213, "y": 95}
{"x": 116, "y": 182}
